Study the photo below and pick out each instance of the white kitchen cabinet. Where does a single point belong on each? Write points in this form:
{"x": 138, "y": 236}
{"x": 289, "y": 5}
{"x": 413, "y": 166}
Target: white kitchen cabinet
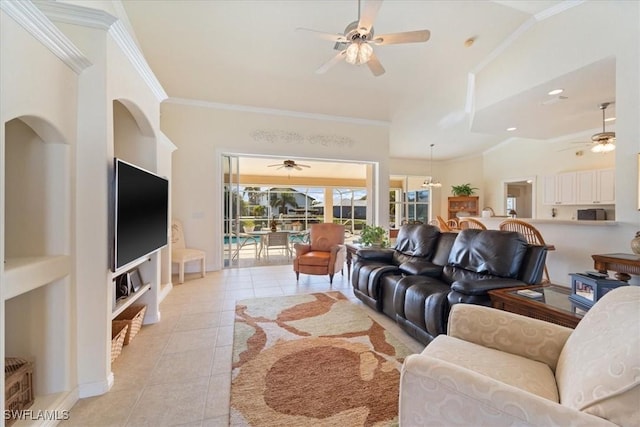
{"x": 560, "y": 189}
{"x": 595, "y": 187}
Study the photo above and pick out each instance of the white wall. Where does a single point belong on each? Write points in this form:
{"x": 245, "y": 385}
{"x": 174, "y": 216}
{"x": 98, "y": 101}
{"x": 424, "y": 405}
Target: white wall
{"x": 202, "y": 134}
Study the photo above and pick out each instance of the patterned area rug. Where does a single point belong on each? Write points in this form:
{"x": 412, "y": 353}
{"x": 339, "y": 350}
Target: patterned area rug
{"x": 313, "y": 360}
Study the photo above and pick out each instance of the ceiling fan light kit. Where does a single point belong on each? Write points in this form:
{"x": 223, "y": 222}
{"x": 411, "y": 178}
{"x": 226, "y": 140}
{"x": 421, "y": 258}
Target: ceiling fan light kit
{"x": 358, "y": 53}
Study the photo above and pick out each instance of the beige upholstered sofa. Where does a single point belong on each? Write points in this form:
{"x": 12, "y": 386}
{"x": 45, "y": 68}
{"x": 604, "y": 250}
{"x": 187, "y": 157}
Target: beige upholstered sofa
{"x": 498, "y": 368}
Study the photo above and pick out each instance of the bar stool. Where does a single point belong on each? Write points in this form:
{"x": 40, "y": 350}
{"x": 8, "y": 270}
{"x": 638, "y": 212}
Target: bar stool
{"x": 531, "y": 235}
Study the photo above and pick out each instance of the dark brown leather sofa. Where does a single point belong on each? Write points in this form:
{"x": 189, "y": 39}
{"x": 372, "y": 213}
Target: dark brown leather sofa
{"x": 416, "y": 282}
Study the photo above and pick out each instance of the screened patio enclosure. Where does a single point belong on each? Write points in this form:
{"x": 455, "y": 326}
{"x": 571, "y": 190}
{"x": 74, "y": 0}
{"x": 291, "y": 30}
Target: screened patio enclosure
{"x": 255, "y": 199}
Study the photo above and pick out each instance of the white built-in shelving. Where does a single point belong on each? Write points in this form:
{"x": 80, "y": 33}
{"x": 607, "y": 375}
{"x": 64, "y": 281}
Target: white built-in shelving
{"x": 24, "y": 274}
{"x": 38, "y": 268}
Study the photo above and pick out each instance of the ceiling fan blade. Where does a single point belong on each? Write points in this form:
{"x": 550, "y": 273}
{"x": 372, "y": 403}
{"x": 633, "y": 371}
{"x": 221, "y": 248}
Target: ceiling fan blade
{"x": 330, "y": 63}
{"x": 323, "y": 35}
{"x": 406, "y": 37}
{"x": 273, "y": 166}
{"x": 298, "y": 168}
{"x": 577, "y": 146}
{"x": 368, "y": 14}
{"x": 375, "y": 66}
{"x": 303, "y": 166}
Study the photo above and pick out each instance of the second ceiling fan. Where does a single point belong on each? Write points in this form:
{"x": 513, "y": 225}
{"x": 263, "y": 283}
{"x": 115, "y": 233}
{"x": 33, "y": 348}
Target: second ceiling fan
{"x": 289, "y": 164}
{"x": 355, "y": 45}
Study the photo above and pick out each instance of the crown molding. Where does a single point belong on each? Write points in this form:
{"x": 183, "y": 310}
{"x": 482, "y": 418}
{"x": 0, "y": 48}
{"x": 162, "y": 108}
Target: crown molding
{"x": 32, "y": 19}
{"x": 94, "y": 18}
{"x": 274, "y": 112}
{"x": 76, "y": 15}
{"x": 124, "y": 40}
{"x": 558, "y": 8}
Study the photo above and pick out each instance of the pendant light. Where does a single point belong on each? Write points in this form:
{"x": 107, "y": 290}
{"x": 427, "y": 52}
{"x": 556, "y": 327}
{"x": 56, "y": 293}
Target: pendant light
{"x": 431, "y": 181}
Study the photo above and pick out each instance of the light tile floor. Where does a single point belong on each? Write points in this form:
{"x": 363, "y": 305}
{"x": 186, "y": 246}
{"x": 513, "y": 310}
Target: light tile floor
{"x": 178, "y": 372}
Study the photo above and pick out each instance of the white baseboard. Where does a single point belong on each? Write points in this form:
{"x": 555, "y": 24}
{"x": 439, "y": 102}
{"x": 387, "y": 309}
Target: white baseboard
{"x": 96, "y": 388}
{"x": 164, "y": 291}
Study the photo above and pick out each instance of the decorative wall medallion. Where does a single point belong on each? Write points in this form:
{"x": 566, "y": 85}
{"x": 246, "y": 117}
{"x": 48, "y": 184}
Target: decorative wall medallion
{"x": 290, "y": 137}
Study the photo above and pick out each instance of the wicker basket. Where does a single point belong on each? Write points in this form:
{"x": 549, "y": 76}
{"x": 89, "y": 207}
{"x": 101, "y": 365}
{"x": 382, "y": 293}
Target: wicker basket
{"x": 118, "y": 333}
{"x": 18, "y": 387}
{"x": 133, "y": 316}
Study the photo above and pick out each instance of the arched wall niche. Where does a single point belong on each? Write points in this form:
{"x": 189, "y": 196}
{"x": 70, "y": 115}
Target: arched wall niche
{"x": 134, "y": 139}
{"x": 37, "y": 188}
{"x": 45, "y": 130}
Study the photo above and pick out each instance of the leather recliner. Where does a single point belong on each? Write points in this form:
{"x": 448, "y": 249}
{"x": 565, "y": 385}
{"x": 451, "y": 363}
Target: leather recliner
{"x": 324, "y": 254}
{"x": 418, "y": 293}
{"x": 414, "y": 250}
{"x": 478, "y": 262}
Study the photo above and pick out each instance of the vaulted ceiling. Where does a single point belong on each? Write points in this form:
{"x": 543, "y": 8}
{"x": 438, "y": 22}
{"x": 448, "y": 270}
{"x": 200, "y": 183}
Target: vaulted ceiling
{"x": 246, "y": 53}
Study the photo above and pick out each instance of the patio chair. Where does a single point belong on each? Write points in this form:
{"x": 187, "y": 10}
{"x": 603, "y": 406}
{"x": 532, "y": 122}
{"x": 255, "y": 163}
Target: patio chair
{"x": 277, "y": 240}
{"x": 243, "y": 240}
{"x": 301, "y": 237}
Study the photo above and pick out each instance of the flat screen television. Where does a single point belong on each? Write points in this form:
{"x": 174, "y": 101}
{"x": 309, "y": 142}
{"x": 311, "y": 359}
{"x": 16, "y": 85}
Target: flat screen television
{"x": 141, "y": 213}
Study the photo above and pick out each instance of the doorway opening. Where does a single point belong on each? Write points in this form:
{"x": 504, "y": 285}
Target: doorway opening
{"x": 261, "y": 193}
{"x": 519, "y": 197}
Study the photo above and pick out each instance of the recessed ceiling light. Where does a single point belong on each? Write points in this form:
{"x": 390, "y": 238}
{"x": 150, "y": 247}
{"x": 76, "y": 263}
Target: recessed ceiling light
{"x": 511, "y": 129}
{"x": 610, "y": 119}
{"x": 556, "y": 91}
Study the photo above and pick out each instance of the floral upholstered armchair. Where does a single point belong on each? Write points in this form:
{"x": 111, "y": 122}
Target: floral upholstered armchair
{"x": 498, "y": 368}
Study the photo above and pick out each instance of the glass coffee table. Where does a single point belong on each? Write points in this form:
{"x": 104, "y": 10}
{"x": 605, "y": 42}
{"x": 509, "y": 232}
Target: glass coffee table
{"x": 553, "y": 305}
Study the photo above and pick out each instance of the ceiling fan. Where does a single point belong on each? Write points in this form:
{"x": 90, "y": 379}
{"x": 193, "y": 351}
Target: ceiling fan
{"x": 289, "y": 164}
{"x": 355, "y": 44}
{"x": 602, "y": 142}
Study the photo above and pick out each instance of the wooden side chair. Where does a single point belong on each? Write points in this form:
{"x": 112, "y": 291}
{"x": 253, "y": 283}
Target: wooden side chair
{"x": 471, "y": 223}
{"x": 532, "y": 236}
{"x": 180, "y": 254}
{"x": 443, "y": 224}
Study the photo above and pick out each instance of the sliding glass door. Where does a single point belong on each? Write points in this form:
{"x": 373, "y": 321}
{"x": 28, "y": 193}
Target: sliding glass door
{"x": 232, "y": 200}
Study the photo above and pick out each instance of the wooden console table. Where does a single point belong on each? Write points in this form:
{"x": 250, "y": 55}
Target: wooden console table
{"x": 553, "y": 306}
{"x": 623, "y": 264}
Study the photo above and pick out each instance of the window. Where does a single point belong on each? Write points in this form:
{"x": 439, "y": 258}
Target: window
{"x": 408, "y": 207}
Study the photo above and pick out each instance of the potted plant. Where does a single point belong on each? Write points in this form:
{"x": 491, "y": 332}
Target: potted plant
{"x": 248, "y": 225}
{"x": 463, "y": 190}
{"x": 373, "y": 235}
